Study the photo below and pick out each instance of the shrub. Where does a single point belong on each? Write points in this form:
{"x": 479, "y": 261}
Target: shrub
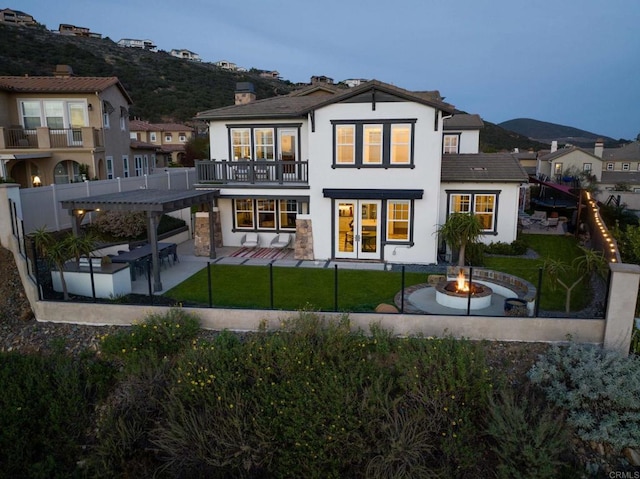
{"x": 516, "y": 248}
{"x": 121, "y": 224}
{"x": 45, "y": 409}
{"x": 600, "y": 390}
{"x": 529, "y": 436}
{"x": 159, "y": 334}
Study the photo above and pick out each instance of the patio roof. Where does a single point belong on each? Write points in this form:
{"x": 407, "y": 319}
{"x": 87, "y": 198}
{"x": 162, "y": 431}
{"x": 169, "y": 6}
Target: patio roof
{"x": 154, "y": 203}
{"x": 151, "y": 201}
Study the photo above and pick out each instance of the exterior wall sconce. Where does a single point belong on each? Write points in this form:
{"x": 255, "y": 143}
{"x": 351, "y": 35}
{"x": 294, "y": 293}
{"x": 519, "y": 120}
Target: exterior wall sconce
{"x": 90, "y": 107}
{"x": 37, "y": 181}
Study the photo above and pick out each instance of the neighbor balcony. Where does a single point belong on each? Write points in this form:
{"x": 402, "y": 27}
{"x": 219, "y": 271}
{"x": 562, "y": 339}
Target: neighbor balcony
{"x": 242, "y": 172}
{"x": 44, "y": 138}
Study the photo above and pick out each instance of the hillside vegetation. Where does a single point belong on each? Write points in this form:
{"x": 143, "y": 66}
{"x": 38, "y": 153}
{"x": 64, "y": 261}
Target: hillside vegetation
{"x": 163, "y": 88}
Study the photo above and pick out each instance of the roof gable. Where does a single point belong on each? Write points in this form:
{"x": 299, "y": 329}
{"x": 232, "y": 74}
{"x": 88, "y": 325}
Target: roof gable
{"x": 29, "y": 84}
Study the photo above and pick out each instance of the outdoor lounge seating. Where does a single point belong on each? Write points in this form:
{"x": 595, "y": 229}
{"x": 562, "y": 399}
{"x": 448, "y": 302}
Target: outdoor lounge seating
{"x": 281, "y": 241}
{"x": 539, "y": 216}
{"x": 250, "y": 240}
{"x": 550, "y": 223}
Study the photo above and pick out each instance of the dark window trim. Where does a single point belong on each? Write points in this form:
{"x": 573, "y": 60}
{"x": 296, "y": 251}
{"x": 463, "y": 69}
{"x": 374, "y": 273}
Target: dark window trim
{"x": 473, "y": 193}
{"x": 457, "y": 145}
{"x": 385, "y": 206}
{"x": 386, "y": 142}
{"x": 371, "y": 194}
{"x": 254, "y": 200}
{"x": 255, "y": 126}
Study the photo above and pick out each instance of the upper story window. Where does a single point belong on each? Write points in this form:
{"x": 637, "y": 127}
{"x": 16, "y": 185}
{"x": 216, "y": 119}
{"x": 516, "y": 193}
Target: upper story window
{"x": 557, "y": 169}
{"x": 372, "y": 144}
{"x": 54, "y": 114}
{"x": 609, "y": 166}
{"x": 626, "y": 166}
{"x": 481, "y": 204}
{"x": 182, "y": 137}
{"x": 153, "y": 136}
{"x": 451, "y": 144}
{"x": 586, "y": 167}
{"x": 263, "y": 142}
{"x": 168, "y": 137}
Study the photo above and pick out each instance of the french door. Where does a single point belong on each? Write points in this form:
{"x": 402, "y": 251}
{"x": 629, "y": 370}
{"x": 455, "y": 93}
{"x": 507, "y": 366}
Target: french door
{"x": 357, "y": 229}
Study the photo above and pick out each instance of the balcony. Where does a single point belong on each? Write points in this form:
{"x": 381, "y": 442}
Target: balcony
{"x": 50, "y": 138}
{"x": 250, "y": 172}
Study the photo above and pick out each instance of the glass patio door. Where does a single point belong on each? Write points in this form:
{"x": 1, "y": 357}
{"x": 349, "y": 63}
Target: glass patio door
{"x": 357, "y": 229}
{"x": 288, "y": 151}
{"x": 76, "y": 122}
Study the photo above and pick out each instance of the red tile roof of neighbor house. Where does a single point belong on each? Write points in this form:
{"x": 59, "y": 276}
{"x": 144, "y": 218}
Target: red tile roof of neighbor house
{"x": 70, "y": 84}
{"x": 140, "y": 125}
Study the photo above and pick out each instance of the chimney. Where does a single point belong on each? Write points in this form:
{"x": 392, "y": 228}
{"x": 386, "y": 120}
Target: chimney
{"x": 245, "y": 93}
{"x": 599, "y": 148}
{"x": 63, "y": 71}
{"x": 554, "y": 146}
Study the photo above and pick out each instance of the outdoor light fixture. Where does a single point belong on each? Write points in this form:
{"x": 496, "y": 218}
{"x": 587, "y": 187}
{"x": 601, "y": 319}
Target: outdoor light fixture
{"x": 80, "y": 212}
{"x": 90, "y": 107}
{"x": 37, "y": 181}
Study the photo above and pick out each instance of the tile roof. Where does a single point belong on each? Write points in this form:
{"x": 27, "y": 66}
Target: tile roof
{"x": 28, "y": 84}
{"x": 565, "y": 151}
{"x": 463, "y": 121}
{"x": 139, "y": 125}
{"x": 613, "y": 177}
{"x": 482, "y": 167}
{"x": 299, "y": 103}
{"x": 630, "y": 151}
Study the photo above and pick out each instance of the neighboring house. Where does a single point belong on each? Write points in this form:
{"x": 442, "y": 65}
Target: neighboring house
{"x": 185, "y": 55}
{"x": 135, "y": 43}
{"x": 53, "y": 128}
{"x": 528, "y": 160}
{"x": 143, "y": 158}
{"x": 16, "y": 17}
{"x": 558, "y": 164}
{"x": 321, "y": 79}
{"x": 72, "y": 30}
{"x": 226, "y": 65}
{"x": 621, "y": 167}
{"x": 351, "y": 82}
{"x": 353, "y": 173}
{"x": 168, "y": 138}
{"x": 461, "y": 134}
{"x": 270, "y": 74}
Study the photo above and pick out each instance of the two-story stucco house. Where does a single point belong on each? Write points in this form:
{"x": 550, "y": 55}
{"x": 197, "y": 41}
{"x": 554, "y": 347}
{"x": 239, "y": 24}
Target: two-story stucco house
{"x": 169, "y": 138}
{"x": 54, "y": 128}
{"x": 353, "y": 173}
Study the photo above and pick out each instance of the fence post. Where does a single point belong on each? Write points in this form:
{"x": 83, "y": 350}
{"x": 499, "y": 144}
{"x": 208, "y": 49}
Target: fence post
{"x": 621, "y": 307}
{"x": 149, "y": 280}
{"x": 93, "y": 283}
{"x": 335, "y": 288}
{"x": 469, "y": 293}
{"x": 34, "y": 265}
{"x": 271, "y": 284}
{"x": 538, "y": 294}
{"x": 209, "y": 284}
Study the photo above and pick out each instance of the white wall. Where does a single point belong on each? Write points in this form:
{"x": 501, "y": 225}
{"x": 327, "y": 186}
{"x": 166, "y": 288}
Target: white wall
{"x": 507, "y": 207}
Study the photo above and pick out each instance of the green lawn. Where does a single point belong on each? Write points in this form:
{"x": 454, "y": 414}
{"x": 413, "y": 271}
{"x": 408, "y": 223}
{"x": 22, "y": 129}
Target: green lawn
{"x": 293, "y": 288}
{"x": 359, "y": 290}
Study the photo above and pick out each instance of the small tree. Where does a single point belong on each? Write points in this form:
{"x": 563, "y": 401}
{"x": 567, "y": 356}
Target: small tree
{"x": 460, "y": 230}
{"x": 590, "y": 262}
{"x": 56, "y": 252}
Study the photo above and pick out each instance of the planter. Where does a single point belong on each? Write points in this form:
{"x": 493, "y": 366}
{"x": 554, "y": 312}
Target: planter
{"x": 515, "y": 307}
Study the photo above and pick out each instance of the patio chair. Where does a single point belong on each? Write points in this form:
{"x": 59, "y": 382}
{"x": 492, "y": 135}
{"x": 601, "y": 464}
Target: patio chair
{"x": 539, "y": 215}
{"x": 281, "y": 241}
{"x": 550, "y": 223}
{"x": 250, "y": 240}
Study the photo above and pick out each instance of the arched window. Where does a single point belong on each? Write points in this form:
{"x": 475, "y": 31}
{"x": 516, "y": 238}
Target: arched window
{"x": 66, "y": 171}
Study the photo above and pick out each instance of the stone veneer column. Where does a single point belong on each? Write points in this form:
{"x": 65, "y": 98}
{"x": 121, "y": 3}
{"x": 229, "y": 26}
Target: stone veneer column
{"x": 303, "y": 247}
{"x": 201, "y": 246}
{"x": 621, "y": 306}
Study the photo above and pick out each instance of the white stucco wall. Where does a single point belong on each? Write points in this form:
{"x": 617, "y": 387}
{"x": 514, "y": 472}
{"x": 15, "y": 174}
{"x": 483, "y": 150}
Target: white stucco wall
{"x": 469, "y": 141}
{"x": 507, "y": 207}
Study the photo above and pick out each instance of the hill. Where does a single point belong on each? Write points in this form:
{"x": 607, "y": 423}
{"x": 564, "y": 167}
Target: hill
{"x": 493, "y": 138}
{"x": 163, "y": 88}
{"x": 546, "y": 132}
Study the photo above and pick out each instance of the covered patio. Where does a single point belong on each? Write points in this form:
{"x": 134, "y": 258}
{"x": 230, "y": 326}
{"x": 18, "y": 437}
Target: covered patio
{"x": 154, "y": 203}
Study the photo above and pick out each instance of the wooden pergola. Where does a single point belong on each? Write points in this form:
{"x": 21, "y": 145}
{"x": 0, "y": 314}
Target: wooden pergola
{"x": 154, "y": 203}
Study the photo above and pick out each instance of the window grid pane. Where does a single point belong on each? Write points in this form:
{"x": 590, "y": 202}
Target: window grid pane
{"x": 241, "y": 143}
{"x": 265, "y": 146}
{"x": 288, "y": 214}
{"x": 451, "y": 144}
{"x": 267, "y": 214}
{"x": 398, "y": 220}
{"x": 244, "y": 213}
{"x": 400, "y": 143}
{"x": 372, "y": 144}
{"x": 345, "y": 144}
{"x": 460, "y": 203}
{"x": 484, "y": 209}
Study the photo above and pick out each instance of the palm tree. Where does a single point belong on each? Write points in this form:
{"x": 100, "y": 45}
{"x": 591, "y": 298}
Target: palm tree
{"x": 460, "y": 230}
{"x": 58, "y": 251}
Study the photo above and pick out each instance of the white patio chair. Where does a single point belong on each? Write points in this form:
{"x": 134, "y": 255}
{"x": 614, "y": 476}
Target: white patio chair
{"x": 250, "y": 240}
{"x": 550, "y": 223}
{"x": 281, "y": 240}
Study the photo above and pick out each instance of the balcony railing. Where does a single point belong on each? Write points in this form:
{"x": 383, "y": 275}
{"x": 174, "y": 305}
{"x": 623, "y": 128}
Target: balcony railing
{"x": 252, "y": 172}
{"x": 50, "y": 138}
